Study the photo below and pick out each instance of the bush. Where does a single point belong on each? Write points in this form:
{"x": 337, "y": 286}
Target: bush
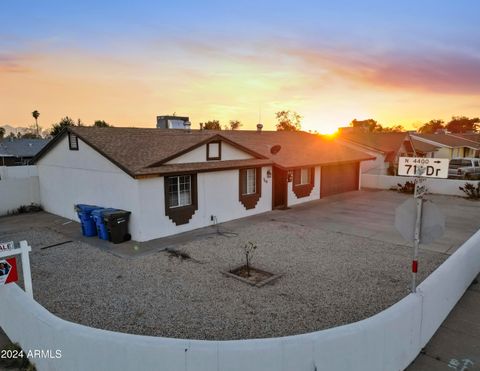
{"x": 472, "y": 192}
{"x": 408, "y": 187}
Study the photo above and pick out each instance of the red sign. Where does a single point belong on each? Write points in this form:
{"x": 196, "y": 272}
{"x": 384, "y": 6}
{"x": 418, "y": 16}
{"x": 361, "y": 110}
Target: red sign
{"x": 8, "y": 271}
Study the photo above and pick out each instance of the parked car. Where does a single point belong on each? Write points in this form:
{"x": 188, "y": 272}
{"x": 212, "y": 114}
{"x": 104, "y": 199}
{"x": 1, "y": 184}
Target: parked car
{"x": 464, "y": 168}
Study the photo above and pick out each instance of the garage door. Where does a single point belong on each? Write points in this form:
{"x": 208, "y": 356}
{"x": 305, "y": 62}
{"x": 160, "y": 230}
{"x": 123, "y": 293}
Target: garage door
{"x": 338, "y": 179}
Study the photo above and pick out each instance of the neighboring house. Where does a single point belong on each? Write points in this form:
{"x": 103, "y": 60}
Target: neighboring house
{"x": 15, "y": 152}
{"x": 450, "y": 145}
{"x": 386, "y": 148}
{"x": 178, "y": 180}
{"x": 423, "y": 149}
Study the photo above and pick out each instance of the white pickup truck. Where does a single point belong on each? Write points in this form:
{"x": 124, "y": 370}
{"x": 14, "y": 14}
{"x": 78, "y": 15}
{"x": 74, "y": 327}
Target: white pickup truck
{"x": 464, "y": 168}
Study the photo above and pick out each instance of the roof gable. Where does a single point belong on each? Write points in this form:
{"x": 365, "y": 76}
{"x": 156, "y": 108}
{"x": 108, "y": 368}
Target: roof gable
{"x": 447, "y": 140}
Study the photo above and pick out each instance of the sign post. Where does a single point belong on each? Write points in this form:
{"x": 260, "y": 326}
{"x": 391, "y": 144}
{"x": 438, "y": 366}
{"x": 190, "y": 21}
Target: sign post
{"x": 418, "y": 196}
{"x": 9, "y": 265}
{"x": 421, "y": 168}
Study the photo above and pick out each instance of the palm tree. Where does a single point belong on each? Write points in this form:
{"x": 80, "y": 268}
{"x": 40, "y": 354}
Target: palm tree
{"x": 35, "y": 115}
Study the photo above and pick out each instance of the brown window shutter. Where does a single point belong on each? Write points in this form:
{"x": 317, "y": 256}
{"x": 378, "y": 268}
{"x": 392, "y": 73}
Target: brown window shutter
{"x": 242, "y": 182}
{"x": 258, "y": 186}
{"x": 296, "y": 176}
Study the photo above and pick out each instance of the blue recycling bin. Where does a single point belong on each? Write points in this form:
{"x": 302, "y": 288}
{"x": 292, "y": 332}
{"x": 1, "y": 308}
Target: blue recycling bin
{"x": 85, "y": 215}
{"x": 97, "y": 216}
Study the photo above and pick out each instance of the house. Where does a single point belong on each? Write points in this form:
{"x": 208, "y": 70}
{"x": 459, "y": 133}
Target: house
{"x": 423, "y": 149}
{"x": 386, "y": 148}
{"x": 178, "y": 180}
{"x": 15, "y": 152}
{"x": 451, "y": 145}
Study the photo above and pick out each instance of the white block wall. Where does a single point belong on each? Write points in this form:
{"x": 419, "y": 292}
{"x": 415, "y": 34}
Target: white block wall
{"x": 19, "y": 186}
{"x": 387, "y": 341}
{"x": 436, "y": 186}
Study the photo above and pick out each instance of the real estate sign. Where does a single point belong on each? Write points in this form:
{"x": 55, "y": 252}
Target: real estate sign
{"x": 8, "y": 271}
{"x": 424, "y": 167}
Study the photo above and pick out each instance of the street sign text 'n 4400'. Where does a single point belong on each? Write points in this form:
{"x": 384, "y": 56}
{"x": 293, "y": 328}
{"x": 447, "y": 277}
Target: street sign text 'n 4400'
{"x": 424, "y": 167}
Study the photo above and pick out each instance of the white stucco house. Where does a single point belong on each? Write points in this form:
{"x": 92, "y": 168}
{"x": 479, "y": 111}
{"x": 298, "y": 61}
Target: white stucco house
{"x": 450, "y": 145}
{"x": 178, "y": 180}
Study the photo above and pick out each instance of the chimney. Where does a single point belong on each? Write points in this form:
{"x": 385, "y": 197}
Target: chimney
{"x": 259, "y": 127}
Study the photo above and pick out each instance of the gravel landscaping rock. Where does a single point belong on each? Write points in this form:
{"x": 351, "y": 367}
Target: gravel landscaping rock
{"x": 328, "y": 279}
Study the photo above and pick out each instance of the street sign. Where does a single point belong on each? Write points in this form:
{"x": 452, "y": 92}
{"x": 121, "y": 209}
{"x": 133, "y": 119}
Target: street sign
{"x": 8, "y": 271}
{"x": 432, "y": 225}
{"x": 425, "y": 167}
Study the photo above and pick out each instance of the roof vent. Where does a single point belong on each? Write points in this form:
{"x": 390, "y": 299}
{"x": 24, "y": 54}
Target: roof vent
{"x": 275, "y": 149}
{"x": 259, "y": 127}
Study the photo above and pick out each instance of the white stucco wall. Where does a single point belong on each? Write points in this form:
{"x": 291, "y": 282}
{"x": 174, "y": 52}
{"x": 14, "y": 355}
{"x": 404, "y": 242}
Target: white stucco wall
{"x": 389, "y": 340}
{"x": 315, "y": 195}
{"x": 85, "y": 177}
{"x": 199, "y": 154}
{"x": 217, "y": 195}
{"x": 19, "y": 186}
{"x": 437, "y": 186}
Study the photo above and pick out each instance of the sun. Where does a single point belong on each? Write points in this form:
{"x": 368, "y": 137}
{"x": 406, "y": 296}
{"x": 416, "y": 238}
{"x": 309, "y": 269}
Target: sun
{"x": 329, "y": 131}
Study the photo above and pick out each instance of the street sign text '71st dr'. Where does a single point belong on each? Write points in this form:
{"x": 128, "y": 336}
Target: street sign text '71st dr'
{"x": 430, "y": 167}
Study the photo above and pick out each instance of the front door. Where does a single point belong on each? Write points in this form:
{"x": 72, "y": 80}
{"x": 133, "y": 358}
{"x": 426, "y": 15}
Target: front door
{"x": 279, "y": 188}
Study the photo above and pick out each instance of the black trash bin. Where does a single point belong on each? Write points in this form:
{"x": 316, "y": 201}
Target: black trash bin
{"x": 117, "y": 225}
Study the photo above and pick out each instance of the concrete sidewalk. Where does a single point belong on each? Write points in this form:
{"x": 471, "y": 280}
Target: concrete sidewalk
{"x": 456, "y": 344}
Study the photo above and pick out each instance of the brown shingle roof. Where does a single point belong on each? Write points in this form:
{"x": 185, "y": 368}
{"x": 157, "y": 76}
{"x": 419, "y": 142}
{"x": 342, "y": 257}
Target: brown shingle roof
{"x": 140, "y": 151}
{"x": 447, "y": 140}
{"x": 383, "y": 142}
{"x": 297, "y": 148}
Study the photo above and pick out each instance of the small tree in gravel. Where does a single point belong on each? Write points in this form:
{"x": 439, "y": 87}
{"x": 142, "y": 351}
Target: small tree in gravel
{"x": 248, "y": 250}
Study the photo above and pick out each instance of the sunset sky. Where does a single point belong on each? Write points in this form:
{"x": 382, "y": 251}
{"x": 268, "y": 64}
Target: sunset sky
{"x": 126, "y": 62}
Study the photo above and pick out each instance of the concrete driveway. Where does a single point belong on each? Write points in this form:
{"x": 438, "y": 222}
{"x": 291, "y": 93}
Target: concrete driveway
{"x": 371, "y": 214}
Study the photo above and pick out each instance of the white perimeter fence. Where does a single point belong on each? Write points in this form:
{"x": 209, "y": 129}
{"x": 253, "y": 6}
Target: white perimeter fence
{"x": 387, "y": 341}
{"x": 18, "y": 187}
{"x": 437, "y": 186}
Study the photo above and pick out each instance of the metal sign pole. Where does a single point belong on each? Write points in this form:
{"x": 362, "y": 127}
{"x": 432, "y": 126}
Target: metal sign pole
{"x": 418, "y": 196}
{"x": 416, "y": 243}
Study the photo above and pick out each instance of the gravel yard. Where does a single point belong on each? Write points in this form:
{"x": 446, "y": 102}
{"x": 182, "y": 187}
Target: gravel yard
{"x": 340, "y": 258}
{"x": 329, "y": 278}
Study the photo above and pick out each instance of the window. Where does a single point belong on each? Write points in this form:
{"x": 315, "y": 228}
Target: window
{"x": 214, "y": 151}
{"x": 179, "y": 191}
{"x": 305, "y": 176}
{"x": 72, "y": 142}
{"x": 249, "y": 185}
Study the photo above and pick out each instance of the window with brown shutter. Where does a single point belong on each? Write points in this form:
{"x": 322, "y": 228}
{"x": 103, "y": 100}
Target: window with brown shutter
{"x": 180, "y": 197}
{"x": 250, "y": 187}
{"x": 303, "y": 181}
